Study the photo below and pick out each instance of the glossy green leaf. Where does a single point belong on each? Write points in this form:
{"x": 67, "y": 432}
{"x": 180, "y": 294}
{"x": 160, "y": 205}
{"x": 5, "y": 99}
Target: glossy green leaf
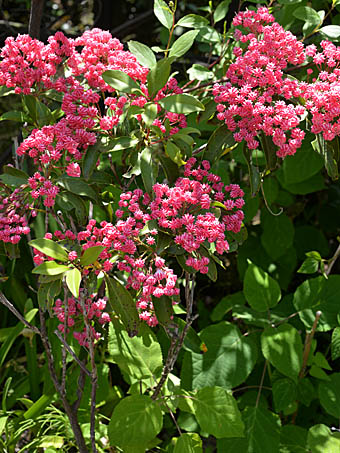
{"x": 163, "y": 13}
{"x": 135, "y": 421}
{"x": 329, "y": 394}
{"x": 158, "y": 76}
{"x": 122, "y": 303}
{"x": 309, "y": 266}
{"x": 91, "y": 254}
{"x": 282, "y": 346}
{"x": 174, "y": 152}
{"x": 217, "y": 413}
{"x": 309, "y": 16}
{"x": 143, "y": 53}
{"x": 228, "y": 361}
{"x": 183, "y": 44}
{"x": 331, "y": 32}
{"x": 139, "y": 357}
{"x": 188, "y": 443}
{"x": 284, "y": 393}
{"x": 260, "y": 289}
{"x": 260, "y": 439}
{"x": 278, "y": 234}
{"x": 77, "y": 186}
{"x": 47, "y": 293}
{"x": 73, "y": 279}
{"x": 219, "y": 139}
{"x": 192, "y": 21}
{"x": 321, "y": 440}
{"x": 335, "y": 345}
{"x": 90, "y": 160}
{"x": 50, "y": 268}
{"x": 14, "y": 115}
{"x": 221, "y": 10}
{"x": 119, "y": 143}
{"x": 199, "y": 72}
{"x": 50, "y": 248}
{"x": 121, "y": 81}
{"x": 150, "y": 113}
{"x": 146, "y": 169}
{"x": 181, "y": 103}
{"x": 293, "y": 439}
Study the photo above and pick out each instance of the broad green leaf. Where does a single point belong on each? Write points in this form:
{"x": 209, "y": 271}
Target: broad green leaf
{"x": 13, "y": 176}
{"x": 217, "y": 413}
{"x": 3, "y": 422}
{"x": 304, "y": 164}
{"x": 199, "y": 72}
{"x": 309, "y": 266}
{"x": 139, "y": 357}
{"x": 150, "y": 114}
{"x": 77, "y": 186}
{"x": 278, "y": 234}
{"x": 90, "y": 160}
{"x": 68, "y": 201}
{"x": 208, "y": 34}
{"x": 158, "y": 77}
{"x": 329, "y": 394}
{"x": 39, "y": 112}
{"x": 181, "y": 103}
{"x": 329, "y": 150}
{"x": 218, "y": 140}
{"x": 226, "y": 304}
{"x": 188, "y": 443}
{"x": 306, "y": 391}
{"x": 310, "y": 17}
{"x": 331, "y": 32}
{"x": 284, "y": 393}
{"x": 293, "y": 439}
{"x": 14, "y": 115}
{"x": 192, "y": 21}
{"x": 121, "y": 81}
{"x": 261, "y": 440}
{"x": 143, "y": 53}
{"x": 50, "y": 248}
{"x": 183, "y": 44}
{"x": 47, "y": 293}
{"x": 119, "y": 143}
{"x": 335, "y": 345}
{"x": 174, "y": 152}
{"x": 221, "y": 10}
{"x": 271, "y": 189}
{"x": 163, "y": 13}
{"x": 121, "y": 301}
{"x": 282, "y": 346}
{"x": 146, "y": 169}
{"x": 91, "y": 255}
{"x": 228, "y": 361}
{"x": 260, "y": 289}
{"x": 73, "y": 279}
{"x": 163, "y": 310}
{"x": 321, "y": 440}
{"x": 135, "y": 421}
{"x": 50, "y": 268}
{"x": 51, "y": 441}
{"x": 318, "y": 294}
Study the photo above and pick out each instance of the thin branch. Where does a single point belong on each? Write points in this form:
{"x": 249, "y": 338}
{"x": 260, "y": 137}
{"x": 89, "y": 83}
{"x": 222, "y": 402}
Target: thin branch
{"x": 80, "y": 388}
{"x": 11, "y": 307}
{"x": 69, "y": 349}
{"x": 308, "y": 343}
{"x": 332, "y": 261}
{"x": 37, "y": 8}
{"x": 261, "y": 384}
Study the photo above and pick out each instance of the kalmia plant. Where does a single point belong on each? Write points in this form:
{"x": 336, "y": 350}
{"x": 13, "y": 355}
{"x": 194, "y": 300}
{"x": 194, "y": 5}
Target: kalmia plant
{"x": 130, "y": 188}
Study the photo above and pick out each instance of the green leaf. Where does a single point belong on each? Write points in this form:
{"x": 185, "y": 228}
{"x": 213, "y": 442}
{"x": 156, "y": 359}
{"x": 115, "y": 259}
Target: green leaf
{"x": 47, "y": 293}
{"x": 158, "y": 77}
{"x": 150, "y": 113}
{"x": 282, "y": 346}
{"x": 13, "y": 176}
{"x": 335, "y": 345}
{"x": 174, "y": 152}
{"x": 69, "y": 201}
{"x": 90, "y": 160}
{"x": 39, "y": 112}
{"x": 318, "y": 294}
{"x": 119, "y": 143}
{"x": 329, "y": 394}
{"x": 121, "y": 81}
{"x": 309, "y": 266}
{"x": 181, "y": 103}
{"x": 135, "y": 421}
{"x": 228, "y": 361}
{"x": 329, "y": 150}
{"x": 278, "y": 234}
{"x": 260, "y": 289}
{"x": 304, "y": 164}
{"x": 321, "y": 440}
{"x": 183, "y": 44}
{"x": 91, "y": 255}
{"x": 163, "y": 13}
{"x": 271, "y": 189}
{"x": 123, "y": 305}
{"x": 143, "y": 53}
{"x": 220, "y": 138}
{"x": 217, "y": 413}
{"x": 331, "y": 32}
{"x": 284, "y": 393}
{"x": 261, "y": 440}
{"x": 163, "y": 310}
{"x": 293, "y": 439}
{"x": 192, "y": 21}
{"x": 310, "y": 17}
{"x": 221, "y": 10}
{"x": 188, "y": 443}
{"x": 139, "y": 357}
{"x": 50, "y": 248}
{"x": 226, "y": 304}
{"x": 14, "y": 115}
{"x": 50, "y": 268}
{"x": 73, "y": 279}
{"x": 77, "y": 186}
{"x": 146, "y": 169}
{"x": 199, "y": 72}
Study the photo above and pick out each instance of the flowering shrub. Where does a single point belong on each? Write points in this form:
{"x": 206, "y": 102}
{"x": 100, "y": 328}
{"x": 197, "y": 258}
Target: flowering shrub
{"x": 132, "y": 191}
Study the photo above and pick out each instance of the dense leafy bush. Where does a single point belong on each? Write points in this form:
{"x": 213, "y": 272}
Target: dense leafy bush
{"x": 169, "y": 237}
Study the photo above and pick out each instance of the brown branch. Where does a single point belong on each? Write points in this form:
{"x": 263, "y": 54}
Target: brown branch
{"x": 70, "y": 351}
{"x": 11, "y": 307}
{"x": 332, "y": 260}
{"x": 308, "y": 343}
{"x": 37, "y": 7}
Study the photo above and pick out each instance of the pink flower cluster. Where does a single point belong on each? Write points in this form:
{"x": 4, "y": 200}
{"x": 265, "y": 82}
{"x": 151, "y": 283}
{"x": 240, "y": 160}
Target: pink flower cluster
{"x": 13, "y": 221}
{"x": 93, "y": 309}
{"x": 258, "y": 98}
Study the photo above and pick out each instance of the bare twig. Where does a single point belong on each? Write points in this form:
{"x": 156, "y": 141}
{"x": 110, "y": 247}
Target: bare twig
{"x": 80, "y": 388}
{"x": 261, "y": 384}
{"x": 69, "y": 349}
{"x": 11, "y": 307}
{"x": 332, "y": 260}
{"x": 308, "y": 343}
